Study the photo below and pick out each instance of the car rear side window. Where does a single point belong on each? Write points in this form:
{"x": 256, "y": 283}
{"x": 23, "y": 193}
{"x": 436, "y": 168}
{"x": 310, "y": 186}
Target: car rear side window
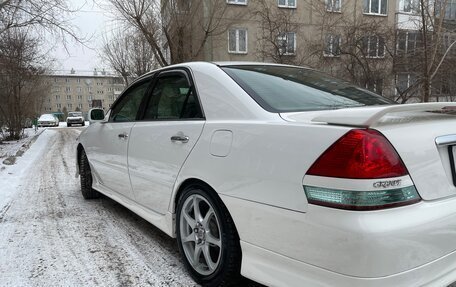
{"x": 172, "y": 99}
{"x": 293, "y": 89}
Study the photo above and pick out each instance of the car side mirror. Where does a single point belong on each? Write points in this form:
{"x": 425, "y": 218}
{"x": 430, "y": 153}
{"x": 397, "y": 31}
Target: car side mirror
{"x": 96, "y": 115}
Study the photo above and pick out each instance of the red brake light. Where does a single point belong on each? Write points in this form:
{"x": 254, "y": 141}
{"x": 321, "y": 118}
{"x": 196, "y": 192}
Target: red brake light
{"x": 360, "y": 154}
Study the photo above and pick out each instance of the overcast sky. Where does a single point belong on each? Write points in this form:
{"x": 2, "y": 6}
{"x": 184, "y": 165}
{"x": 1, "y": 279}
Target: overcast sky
{"x": 91, "y": 22}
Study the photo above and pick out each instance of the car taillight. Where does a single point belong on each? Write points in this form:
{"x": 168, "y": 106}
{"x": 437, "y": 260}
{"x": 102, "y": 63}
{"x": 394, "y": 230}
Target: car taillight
{"x": 362, "y": 154}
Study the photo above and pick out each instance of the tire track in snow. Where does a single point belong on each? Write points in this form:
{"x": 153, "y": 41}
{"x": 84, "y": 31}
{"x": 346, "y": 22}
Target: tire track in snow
{"x": 51, "y": 236}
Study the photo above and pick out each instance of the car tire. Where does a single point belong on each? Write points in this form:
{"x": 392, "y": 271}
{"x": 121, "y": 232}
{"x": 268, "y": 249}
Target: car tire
{"x": 68, "y": 125}
{"x": 83, "y": 124}
{"x": 213, "y": 237}
{"x": 85, "y": 175}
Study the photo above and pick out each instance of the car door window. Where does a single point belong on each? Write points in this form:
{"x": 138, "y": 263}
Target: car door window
{"x": 172, "y": 98}
{"x": 127, "y": 109}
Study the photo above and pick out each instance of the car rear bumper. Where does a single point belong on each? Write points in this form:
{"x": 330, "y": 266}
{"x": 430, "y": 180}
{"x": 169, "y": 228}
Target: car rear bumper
{"x": 274, "y": 269}
{"x": 47, "y": 124}
{"x": 383, "y": 248}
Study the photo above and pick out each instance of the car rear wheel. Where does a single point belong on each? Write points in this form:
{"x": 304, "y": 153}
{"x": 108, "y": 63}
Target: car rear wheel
{"x": 207, "y": 238}
{"x": 68, "y": 125}
{"x": 85, "y": 175}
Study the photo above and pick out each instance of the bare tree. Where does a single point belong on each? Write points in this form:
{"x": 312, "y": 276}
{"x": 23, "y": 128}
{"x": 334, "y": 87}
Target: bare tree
{"x": 427, "y": 55}
{"x": 51, "y": 16}
{"x": 130, "y": 55}
{"x": 115, "y": 53}
{"x": 278, "y": 27}
{"x": 21, "y": 87}
{"x": 176, "y": 30}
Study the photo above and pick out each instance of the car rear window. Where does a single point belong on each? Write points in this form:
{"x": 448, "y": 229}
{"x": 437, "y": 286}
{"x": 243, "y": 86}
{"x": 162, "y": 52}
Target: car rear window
{"x": 74, "y": 114}
{"x": 293, "y": 89}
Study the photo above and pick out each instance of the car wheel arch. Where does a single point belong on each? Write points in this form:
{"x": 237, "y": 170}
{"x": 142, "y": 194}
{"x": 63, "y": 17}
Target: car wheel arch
{"x": 195, "y": 181}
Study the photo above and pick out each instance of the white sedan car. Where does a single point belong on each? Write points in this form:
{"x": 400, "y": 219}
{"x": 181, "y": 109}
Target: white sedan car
{"x": 48, "y": 120}
{"x": 282, "y": 174}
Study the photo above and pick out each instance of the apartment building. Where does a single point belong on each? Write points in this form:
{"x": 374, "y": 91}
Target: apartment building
{"x": 347, "y": 38}
{"x": 356, "y": 40}
{"x": 80, "y": 91}
{"x": 433, "y": 50}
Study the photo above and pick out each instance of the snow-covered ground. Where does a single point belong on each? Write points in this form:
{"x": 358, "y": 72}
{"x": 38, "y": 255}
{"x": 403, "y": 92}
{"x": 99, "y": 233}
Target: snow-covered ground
{"x": 51, "y": 236}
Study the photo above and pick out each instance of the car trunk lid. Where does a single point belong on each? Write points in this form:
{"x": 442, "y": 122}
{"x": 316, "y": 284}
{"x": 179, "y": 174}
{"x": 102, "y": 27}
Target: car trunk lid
{"x": 424, "y": 135}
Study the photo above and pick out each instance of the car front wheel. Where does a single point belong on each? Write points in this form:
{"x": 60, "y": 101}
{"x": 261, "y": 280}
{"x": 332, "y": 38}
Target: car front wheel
{"x": 207, "y": 238}
{"x": 85, "y": 175}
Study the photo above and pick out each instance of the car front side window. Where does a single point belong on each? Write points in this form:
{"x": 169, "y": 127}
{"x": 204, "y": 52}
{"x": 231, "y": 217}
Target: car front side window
{"x": 127, "y": 108}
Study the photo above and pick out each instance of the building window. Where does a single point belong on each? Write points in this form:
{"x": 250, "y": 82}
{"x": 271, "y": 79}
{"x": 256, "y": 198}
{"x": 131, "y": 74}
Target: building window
{"x": 408, "y": 42}
{"x": 89, "y": 98}
{"x": 79, "y": 97}
{"x": 448, "y": 40}
{"x": 67, "y": 80}
{"x": 57, "y": 97}
{"x": 59, "y": 106}
{"x": 409, "y": 6}
{"x": 375, "y": 7}
{"x": 237, "y": 41}
{"x": 68, "y": 97}
{"x": 375, "y": 86}
{"x": 333, "y": 5}
{"x": 78, "y": 80}
{"x": 450, "y": 9}
{"x": 332, "y": 46}
{"x": 287, "y": 43}
{"x": 238, "y": 2}
{"x": 68, "y": 89}
{"x": 70, "y": 106}
{"x": 80, "y": 106}
{"x": 373, "y": 47}
{"x": 287, "y": 3}
{"x": 79, "y": 89}
{"x": 404, "y": 82}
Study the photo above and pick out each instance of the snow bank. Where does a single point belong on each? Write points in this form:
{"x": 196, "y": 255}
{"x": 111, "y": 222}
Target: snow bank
{"x": 11, "y": 177}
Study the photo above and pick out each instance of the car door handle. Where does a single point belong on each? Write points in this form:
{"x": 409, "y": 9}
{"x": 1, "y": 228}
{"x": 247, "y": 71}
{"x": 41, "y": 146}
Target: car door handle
{"x": 180, "y": 138}
{"x": 123, "y": 136}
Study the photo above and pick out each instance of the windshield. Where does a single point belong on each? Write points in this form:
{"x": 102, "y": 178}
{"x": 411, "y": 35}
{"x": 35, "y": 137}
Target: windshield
{"x": 47, "y": 117}
{"x": 75, "y": 114}
{"x": 293, "y": 89}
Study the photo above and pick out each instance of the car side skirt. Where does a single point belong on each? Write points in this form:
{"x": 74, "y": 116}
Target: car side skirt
{"x": 165, "y": 222}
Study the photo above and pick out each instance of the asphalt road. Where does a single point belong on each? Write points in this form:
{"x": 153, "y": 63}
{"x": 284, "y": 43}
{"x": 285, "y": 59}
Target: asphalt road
{"x": 51, "y": 236}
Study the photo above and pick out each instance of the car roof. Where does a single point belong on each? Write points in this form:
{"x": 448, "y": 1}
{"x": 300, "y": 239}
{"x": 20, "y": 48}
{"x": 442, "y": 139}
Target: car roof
{"x": 218, "y": 63}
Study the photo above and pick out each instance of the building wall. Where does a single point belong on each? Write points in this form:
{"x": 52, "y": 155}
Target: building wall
{"x": 76, "y": 92}
{"x": 311, "y": 22}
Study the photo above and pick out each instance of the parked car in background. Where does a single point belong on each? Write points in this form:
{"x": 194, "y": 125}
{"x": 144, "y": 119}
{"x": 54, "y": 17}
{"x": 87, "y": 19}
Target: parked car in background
{"x": 75, "y": 118}
{"x": 48, "y": 120}
{"x": 282, "y": 174}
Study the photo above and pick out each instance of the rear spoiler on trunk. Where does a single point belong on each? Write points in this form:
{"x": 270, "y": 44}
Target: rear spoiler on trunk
{"x": 368, "y": 116}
